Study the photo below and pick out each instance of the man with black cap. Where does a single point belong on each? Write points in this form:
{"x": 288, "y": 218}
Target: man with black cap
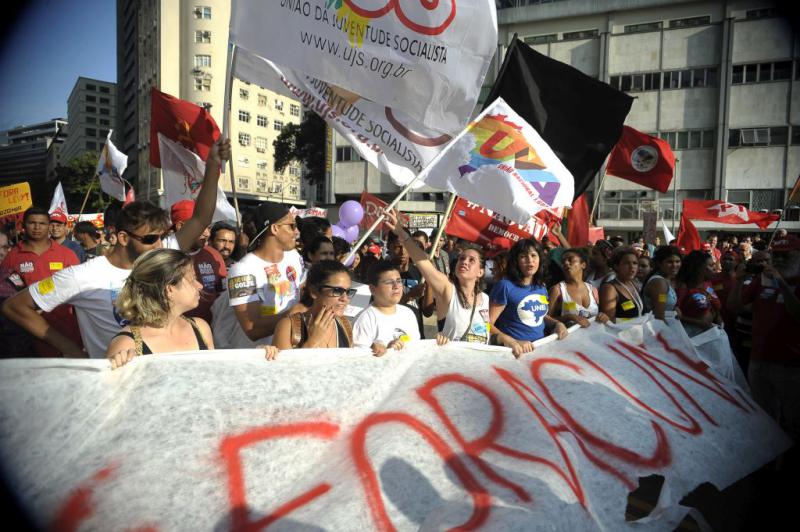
{"x": 266, "y": 282}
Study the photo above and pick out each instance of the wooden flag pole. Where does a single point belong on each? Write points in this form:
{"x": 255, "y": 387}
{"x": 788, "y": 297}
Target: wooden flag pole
{"x": 86, "y": 197}
{"x": 442, "y": 225}
{"x": 597, "y": 199}
{"x": 226, "y": 126}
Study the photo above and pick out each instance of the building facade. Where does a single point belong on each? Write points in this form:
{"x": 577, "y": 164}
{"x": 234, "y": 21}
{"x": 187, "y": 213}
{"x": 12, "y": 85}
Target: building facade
{"x": 717, "y": 80}
{"x": 31, "y": 153}
{"x": 91, "y": 109}
{"x": 181, "y": 48}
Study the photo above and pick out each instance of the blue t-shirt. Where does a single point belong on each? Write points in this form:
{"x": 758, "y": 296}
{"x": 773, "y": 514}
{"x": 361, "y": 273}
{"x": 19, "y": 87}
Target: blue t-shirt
{"x": 526, "y": 307}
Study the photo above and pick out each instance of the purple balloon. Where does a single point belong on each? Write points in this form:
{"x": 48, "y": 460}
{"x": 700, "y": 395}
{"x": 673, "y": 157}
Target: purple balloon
{"x": 350, "y": 213}
{"x": 352, "y": 233}
{"x": 338, "y": 231}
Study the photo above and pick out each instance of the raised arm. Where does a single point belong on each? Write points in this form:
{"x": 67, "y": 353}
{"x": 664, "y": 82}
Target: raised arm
{"x": 22, "y": 310}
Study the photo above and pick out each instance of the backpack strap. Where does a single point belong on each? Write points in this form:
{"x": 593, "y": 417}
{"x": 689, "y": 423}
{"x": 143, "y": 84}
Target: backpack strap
{"x": 347, "y": 328}
{"x": 298, "y": 326}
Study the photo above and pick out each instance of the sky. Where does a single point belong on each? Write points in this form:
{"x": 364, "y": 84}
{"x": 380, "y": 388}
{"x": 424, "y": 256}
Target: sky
{"x": 45, "y": 46}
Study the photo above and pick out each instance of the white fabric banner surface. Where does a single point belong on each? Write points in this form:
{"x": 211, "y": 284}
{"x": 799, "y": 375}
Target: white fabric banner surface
{"x": 110, "y": 167}
{"x": 389, "y": 140}
{"x": 59, "y": 202}
{"x": 183, "y": 172}
{"x": 426, "y": 438}
{"x": 427, "y": 58}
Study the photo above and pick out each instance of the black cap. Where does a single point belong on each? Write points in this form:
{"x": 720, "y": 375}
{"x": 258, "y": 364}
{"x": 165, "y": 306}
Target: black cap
{"x": 267, "y": 214}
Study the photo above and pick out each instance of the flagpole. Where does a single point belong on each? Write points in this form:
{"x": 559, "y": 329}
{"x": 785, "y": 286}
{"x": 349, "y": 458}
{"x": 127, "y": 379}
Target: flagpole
{"x": 597, "y": 199}
{"x": 442, "y": 225}
{"x": 86, "y": 198}
{"x": 226, "y": 126}
{"x": 674, "y": 195}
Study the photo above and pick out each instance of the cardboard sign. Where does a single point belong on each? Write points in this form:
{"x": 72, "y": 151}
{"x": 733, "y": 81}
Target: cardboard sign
{"x": 15, "y": 199}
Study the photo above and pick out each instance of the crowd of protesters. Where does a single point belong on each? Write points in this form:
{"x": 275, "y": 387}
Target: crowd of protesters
{"x": 154, "y": 281}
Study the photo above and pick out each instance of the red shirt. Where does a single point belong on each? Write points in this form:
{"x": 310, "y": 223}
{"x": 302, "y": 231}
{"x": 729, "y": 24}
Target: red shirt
{"x": 33, "y": 268}
{"x": 698, "y": 302}
{"x": 776, "y": 335}
{"x": 209, "y": 267}
{"x": 722, "y": 284}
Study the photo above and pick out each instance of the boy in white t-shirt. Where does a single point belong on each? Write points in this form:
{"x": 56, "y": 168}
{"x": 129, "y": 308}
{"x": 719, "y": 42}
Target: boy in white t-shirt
{"x": 385, "y": 324}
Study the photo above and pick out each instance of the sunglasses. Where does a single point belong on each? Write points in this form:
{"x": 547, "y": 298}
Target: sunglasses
{"x": 339, "y": 291}
{"x": 147, "y": 240}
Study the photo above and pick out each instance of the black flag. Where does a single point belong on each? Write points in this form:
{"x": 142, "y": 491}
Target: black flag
{"x": 579, "y": 117}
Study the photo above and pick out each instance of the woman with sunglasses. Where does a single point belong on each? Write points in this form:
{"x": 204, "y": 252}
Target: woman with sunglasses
{"x": 461, "y": 305}
{"x": 323, "y": 325}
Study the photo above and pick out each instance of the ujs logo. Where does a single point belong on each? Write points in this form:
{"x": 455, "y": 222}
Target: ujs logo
{"x": 439, "y": 14}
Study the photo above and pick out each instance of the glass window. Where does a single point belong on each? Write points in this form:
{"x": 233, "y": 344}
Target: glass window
{"x": 782, "y": 70}
{"x": 104, "y": 90}
{"x": 91, "y": 145}
{"x": 765, "y": 72}
{"x": 91, "y": 120}
{"x": 737, "y": 74}
{"x": 699, "y": 77}
{"x": 294, "y": 110}
{"x": 652, "y": 81}
{"x": 694, "y": 139}
{"x": 278, "y": 105}
{"x": 690, "y": 22}
{"x": 734, "y": 138}
{"x": 105, "y": 112}
{"x": 683, "y": 140}
{"x": 671, "y": 80}
{"x": 202, "y": 60}
{"x": 261, "y": 120}
{"x": 244, "y": 116}
{"x": 637, "y": 82}
{"x": 778, "y": 136}
{"x": 750, "y": 73}
{"x": 277, "y": 125}
{"x": 91, "y": 109}
{"x": 614, "y": 82}
{"x": 626, "y": 83}
{"x": 202, "y": 36}
{"x": 686, "y": 79}
{"x": 244, "y": 94}
{"x": 795, "y": 135}
{"x": 261, "y": 144}
{"x": 647, "y": 26}
{"x": 104, "y": 122}
{"x": 90, "y": 87}
{"x": 105, "y": 100}
{"x": 244, "y": 139}
{"x": 91, "y": 99}
{"x": 202, "y": 84}
{"x": 708, "y": 138}
{"x": 91, "y": 132}
{"x": 575, "y": 35}
{"x": 243, "y": 183}
{"x": 261, "y": 185}
{"x": 541, "y": 39}
{"x": 262, "y": 100}
{"x": 711, "y": 77}
{"x": 672, "y": 138}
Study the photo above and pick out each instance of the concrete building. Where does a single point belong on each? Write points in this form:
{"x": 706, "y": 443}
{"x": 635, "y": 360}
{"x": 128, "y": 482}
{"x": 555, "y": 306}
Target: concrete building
{"x": 718, "y": 80}
{"x": 91, "y": 108}
{"x": 181, "y": 48}
{"x": 31, "y": 152}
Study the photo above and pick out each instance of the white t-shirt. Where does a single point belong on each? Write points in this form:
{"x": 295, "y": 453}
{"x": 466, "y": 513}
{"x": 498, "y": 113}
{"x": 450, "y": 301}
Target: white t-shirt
{"x": 91, "y": 288}
{"x": 276, "y": 286}
{"x": 457, "y": 322}
{"x": 373, "y": 326}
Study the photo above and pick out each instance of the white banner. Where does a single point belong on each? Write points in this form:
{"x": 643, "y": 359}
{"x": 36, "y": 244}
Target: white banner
{"x": 388, "y": 139}
{"x": 183, "y": 173}
{"x": 427, "y": 58}
{"x": 426, "y": 438}
{"x": 500, "y": 162}
{"x": 318, "y": 212}
{"x": 110, "y": 167}
{"x": 59, "y": 202}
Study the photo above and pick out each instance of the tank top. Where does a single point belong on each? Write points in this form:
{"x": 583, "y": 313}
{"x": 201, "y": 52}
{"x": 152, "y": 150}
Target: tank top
{"x": 629, "y": 305}
{"x": 574, "y": 308}
{"x": 457, "y": 325}
{"x": 672, "y": 296}
{"x": 201, "y": 344}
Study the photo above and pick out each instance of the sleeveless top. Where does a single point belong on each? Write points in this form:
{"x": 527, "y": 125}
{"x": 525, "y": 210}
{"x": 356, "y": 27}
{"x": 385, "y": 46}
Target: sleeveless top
{"x": 574, "y": 308}
{"x": 672, "y": 296}
{"x": 629, "y": 306}
{"x": 299, "y": 334}
{"x": 457, "y": 324}
{"x": 201, "y": 344}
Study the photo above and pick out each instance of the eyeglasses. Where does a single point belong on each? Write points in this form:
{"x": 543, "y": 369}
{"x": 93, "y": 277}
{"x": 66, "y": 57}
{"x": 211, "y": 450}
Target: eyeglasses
{"x": 292, "y": 225}
{"x": 147, "y": 240}
{"x": 339, "y": 291}
{"x": 392, "y": 282}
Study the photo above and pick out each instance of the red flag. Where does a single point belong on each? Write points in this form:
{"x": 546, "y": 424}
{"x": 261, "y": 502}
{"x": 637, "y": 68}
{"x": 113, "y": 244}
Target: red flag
{"x": 726, "y": 213}
{"x": 373, "y": 206}
{"x": 688, "y": 237}
{"x": 595, "y": 234}
{"x": 578, "y": 222}
{"x": 477, "y": 224}
{"x": 180, "y": 121}
{"x": 643, "y": 159}
{"x": 794, "y": 195}
{"x": 129, "y": 196}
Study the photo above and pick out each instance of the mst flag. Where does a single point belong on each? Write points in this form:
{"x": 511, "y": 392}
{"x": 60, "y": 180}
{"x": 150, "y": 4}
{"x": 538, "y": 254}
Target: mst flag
{"x": 500, "y": 161}
{"x": 110, "y": 167}
{"x": 181, "y": 136}
{"x": 643, "y": 159}
{"x": 578, "y": 222}
{"x": 688, "y": 237}
{"x": 726, "y": 213}
{"x": 490, "y": 229}
{"x": 59, "y": 202}
{"x": 579, "y": 117}
{"x": 426, "y": 58}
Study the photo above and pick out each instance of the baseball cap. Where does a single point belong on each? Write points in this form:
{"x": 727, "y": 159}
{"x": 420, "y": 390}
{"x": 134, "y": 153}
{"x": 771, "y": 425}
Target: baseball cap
{"x": 787, "y": 243}
{"x": 182, "y": 211}
{"x": 604, "y": 245}
{"x": 706, "y": 247}
{"x": 267, "y": 214}
{"x": 58, "y": 216}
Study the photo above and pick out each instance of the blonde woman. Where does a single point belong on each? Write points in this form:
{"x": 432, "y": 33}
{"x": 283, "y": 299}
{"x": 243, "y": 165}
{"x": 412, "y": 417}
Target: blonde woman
{"x": 159, "y": 290}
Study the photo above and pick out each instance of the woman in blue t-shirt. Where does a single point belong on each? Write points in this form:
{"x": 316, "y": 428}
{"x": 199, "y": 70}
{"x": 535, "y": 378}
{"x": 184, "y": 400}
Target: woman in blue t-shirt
{"x": 518, "y": 305}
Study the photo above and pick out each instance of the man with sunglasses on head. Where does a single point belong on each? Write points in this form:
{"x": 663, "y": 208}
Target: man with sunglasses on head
{"x": 264, "y": 285}
{"x": 92, "y": 287}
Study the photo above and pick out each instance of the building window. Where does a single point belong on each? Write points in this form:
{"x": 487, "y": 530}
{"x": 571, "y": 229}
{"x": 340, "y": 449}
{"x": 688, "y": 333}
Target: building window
{"x": 294, "y": 110}
{"x": 636, "y": 82}
{"x": 277, "y": 125}
{"x": 105, "y": 101}
{"x": 795, "y": 135}
{"x": 262, "y": 100}
{"x": 104, "y": 90}
{"x": 261, "y": 185}
{"x": 202, "y": 60}
{"x": 294, "y": 171}
{"x": 541, "y": 39}
{"x": 91, "y": 109}
{"x": 577, "y": 35}
{"x": 690, "y": 139}
{"x": 293, "y": 190}
{"x": 244, "y": 116}
{"x": 91, "y": 120}
{"x": 105, "y": 112}
{"x": 261, "y": 144}
{"x": 202, "y": 12}
{"x": 261, "y": 120}
{"x": 244, "y": 94}
{"x": 759, "y": 136}
{"x": 91, "y": 145}
{"x": 202, "y": 36}
{"x": 696, "y": 77}
{"x": 91, "y": 99}
{"x": 243, "y": 183}
{"x": 690, "y": 22}
{"x": 90, "y": 87}
{"x": 647, "y": 26}
{"x": 278, "y": 105}
{"x": 105, "y": 122}
{"x": 261, "y": 164}
{"x": 90, "y": 132}
{"x": 202, "y": 84}
{"x": 764, "y": 12}
{"x": 244, "y": 139}
{"x": 761, "y": 72}
{"x": 347, "y": 153}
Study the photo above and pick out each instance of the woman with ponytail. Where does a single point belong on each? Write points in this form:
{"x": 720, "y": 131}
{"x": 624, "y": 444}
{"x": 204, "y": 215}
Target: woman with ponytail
{"x": 461, "y": 304}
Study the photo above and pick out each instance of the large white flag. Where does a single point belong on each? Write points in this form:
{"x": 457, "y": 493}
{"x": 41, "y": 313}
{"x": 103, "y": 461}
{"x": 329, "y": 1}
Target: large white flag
{"x": 426, "y": 58}
{"x": 429, "y": 438}
{"x": 500, "y": 162}
{"x": 59, "y": 202}
{"x": 388, "y": 139}
{"x": 110, "y": 167}
{"x": 183, "y": 172}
